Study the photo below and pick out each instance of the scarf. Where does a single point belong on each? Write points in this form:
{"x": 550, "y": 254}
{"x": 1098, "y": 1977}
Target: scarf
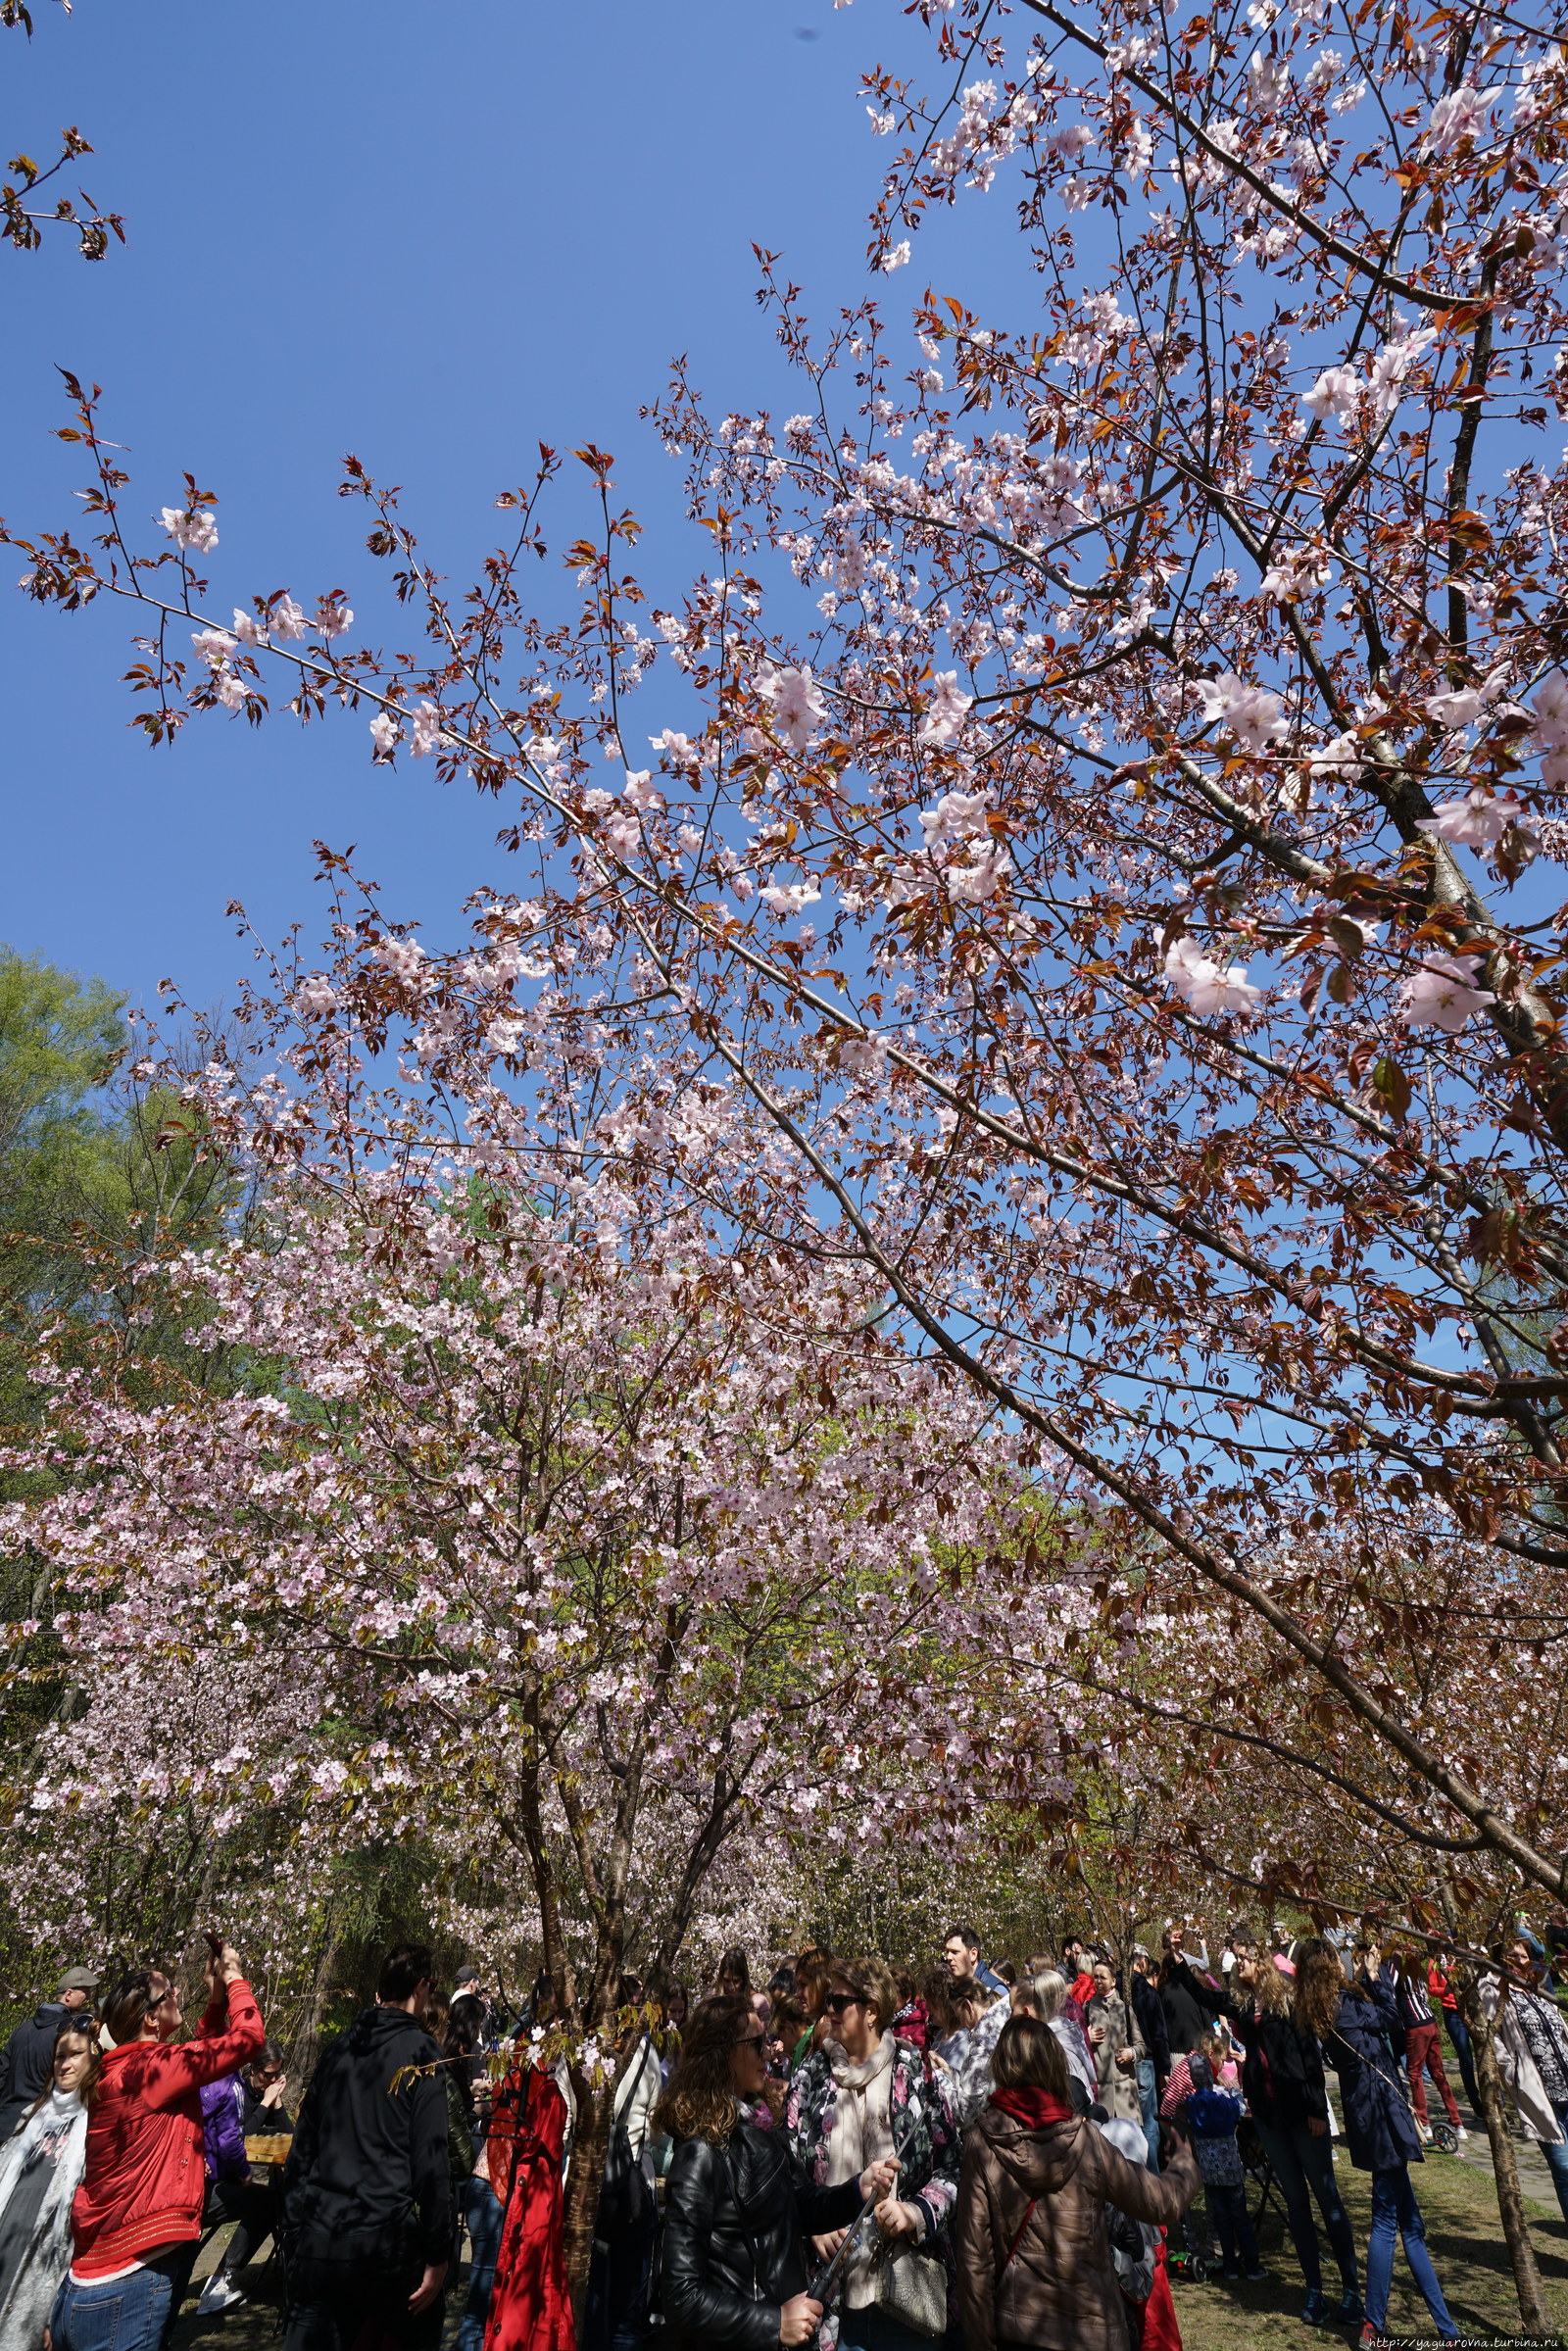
{"x": 912, "y": 2023}
{"x": 862, "y": 2133}
{"x": 1034, "y": 2109}
{"x": 50, "y": 2121}
{"x": 55, "y": 2139}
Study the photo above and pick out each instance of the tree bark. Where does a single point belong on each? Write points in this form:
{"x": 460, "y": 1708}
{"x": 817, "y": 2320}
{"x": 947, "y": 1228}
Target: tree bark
{"x": 590, "y": 2142}
{"x": 1505, "y": 2171}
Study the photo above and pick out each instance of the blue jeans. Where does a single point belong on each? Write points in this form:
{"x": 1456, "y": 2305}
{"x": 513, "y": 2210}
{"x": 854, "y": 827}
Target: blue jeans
{"x": 1557, "y": 2164}
{"x": 1149, "y": 2108}
{"x": 1304, "y": 2166}
{"x": 126, "y": 2313}
{"x": 1395, "y": 2212}
{"x": 1459, "y": 2035}
{"x": 481, "y": 2208}
{"x": 1227, "y": 2211}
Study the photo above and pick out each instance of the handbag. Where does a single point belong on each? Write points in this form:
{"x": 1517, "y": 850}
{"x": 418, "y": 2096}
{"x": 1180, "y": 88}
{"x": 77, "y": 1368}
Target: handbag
{"x": 624, "y": 2196}
{"x": 911, "y": 2287}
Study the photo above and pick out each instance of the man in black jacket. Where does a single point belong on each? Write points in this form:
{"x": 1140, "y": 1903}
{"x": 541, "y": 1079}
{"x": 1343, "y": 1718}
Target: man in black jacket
{"x": 367, "y": 2192}
{"x": 28, "y": 2056}
{"x": 1188, "y": 1996}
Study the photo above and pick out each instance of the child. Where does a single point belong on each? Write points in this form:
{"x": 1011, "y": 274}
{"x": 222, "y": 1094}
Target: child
{"x": 1213, "y": 2114}
{"x": 1198, "y": 2237}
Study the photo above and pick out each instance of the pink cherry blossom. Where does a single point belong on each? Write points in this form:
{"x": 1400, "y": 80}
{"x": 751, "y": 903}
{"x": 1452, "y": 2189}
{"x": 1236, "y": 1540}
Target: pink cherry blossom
{"x": 1441, "y": 993}
{"x": 797, "y": 701}
{"x": 1457, "y": 709}
{"x": 1208, "y": 987}
{"x": 1477, "y": 822}
{"x": 945, "y": 714}
{"x": 1253, "y": 716}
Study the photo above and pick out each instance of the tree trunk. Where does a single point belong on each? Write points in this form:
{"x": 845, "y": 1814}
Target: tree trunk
{"x": 1505, "y": 2171}
{"x": 590, "y": 2142}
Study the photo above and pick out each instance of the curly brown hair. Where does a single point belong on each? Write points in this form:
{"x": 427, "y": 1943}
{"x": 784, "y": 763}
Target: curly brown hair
{"x": 701, "y": 2101}
{"x": 1320, "y": 1984}
{"x": 1270, "y": 1990}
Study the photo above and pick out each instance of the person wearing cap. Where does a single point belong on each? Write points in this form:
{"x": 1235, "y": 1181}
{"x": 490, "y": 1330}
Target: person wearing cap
{"x": 28, "y": 2056}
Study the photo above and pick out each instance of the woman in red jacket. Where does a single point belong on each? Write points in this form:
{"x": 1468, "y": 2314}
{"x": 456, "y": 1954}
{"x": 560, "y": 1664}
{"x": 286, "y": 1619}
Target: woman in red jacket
{"x": 137, "y": 2215}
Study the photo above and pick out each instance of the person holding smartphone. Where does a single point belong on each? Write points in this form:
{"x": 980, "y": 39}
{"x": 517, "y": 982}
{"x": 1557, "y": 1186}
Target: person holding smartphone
{"x": 136, "y": 2218}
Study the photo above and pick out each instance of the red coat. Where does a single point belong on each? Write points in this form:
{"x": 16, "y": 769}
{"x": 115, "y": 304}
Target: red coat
{"x": 145, "y": 2178}
{"x": 531, "y": 2308}
{"x": 1160, "y": 2330}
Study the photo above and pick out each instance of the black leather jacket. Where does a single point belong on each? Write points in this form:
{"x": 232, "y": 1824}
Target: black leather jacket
{"x": 734, "y": 2220}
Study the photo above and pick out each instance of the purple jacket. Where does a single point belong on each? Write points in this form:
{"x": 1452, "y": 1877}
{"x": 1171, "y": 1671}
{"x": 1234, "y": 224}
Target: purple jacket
{"x": 222, "y": 2138}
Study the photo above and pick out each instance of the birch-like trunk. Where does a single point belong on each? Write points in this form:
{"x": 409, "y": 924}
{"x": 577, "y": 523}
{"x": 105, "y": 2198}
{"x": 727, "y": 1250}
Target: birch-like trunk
{"x": 1505, "y": 2171}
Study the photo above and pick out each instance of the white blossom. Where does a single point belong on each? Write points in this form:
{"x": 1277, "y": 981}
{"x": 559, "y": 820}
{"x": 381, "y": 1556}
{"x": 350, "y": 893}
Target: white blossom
{"x": 425, "y": 735}
{"x": 1458, "y": 116}
{"x": 196, "y": 531}
{"x": 1454, "y": 711}
{"x": 1477, "y": 822}
{"x": 946, "y": 713}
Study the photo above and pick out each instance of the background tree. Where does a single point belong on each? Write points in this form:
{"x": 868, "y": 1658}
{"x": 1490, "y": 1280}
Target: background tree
{"x": 554, "y": 1526}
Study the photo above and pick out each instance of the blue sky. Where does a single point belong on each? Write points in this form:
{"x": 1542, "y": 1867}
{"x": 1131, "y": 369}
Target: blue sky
{"x": 433, "y": 235}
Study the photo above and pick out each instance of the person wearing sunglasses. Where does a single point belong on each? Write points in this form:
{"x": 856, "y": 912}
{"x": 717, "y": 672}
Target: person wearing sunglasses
{"x": 738, "y": 2204}
{"x": 862, "y": 2093}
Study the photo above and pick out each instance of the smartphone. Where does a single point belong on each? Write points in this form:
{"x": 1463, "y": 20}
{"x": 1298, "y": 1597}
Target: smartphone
{"x": 215, "y": 1942}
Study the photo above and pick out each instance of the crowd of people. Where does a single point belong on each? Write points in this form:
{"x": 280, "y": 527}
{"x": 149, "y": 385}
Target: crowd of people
{"x": 988, "y": 2156}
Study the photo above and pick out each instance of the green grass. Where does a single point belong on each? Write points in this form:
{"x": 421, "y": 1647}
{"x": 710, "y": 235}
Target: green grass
{"x": 1464, "y": 2238}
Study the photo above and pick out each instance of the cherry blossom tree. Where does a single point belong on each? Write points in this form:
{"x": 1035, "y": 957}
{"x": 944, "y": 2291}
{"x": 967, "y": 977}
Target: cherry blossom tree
{"x": 559, "y": 1515}
{"x": 1094, "y": 831}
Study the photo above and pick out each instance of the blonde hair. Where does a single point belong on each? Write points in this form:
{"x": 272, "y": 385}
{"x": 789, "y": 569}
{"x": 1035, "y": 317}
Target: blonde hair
{"x": 1270, "y": 1990}
{"x": 1043, "y": 1995}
